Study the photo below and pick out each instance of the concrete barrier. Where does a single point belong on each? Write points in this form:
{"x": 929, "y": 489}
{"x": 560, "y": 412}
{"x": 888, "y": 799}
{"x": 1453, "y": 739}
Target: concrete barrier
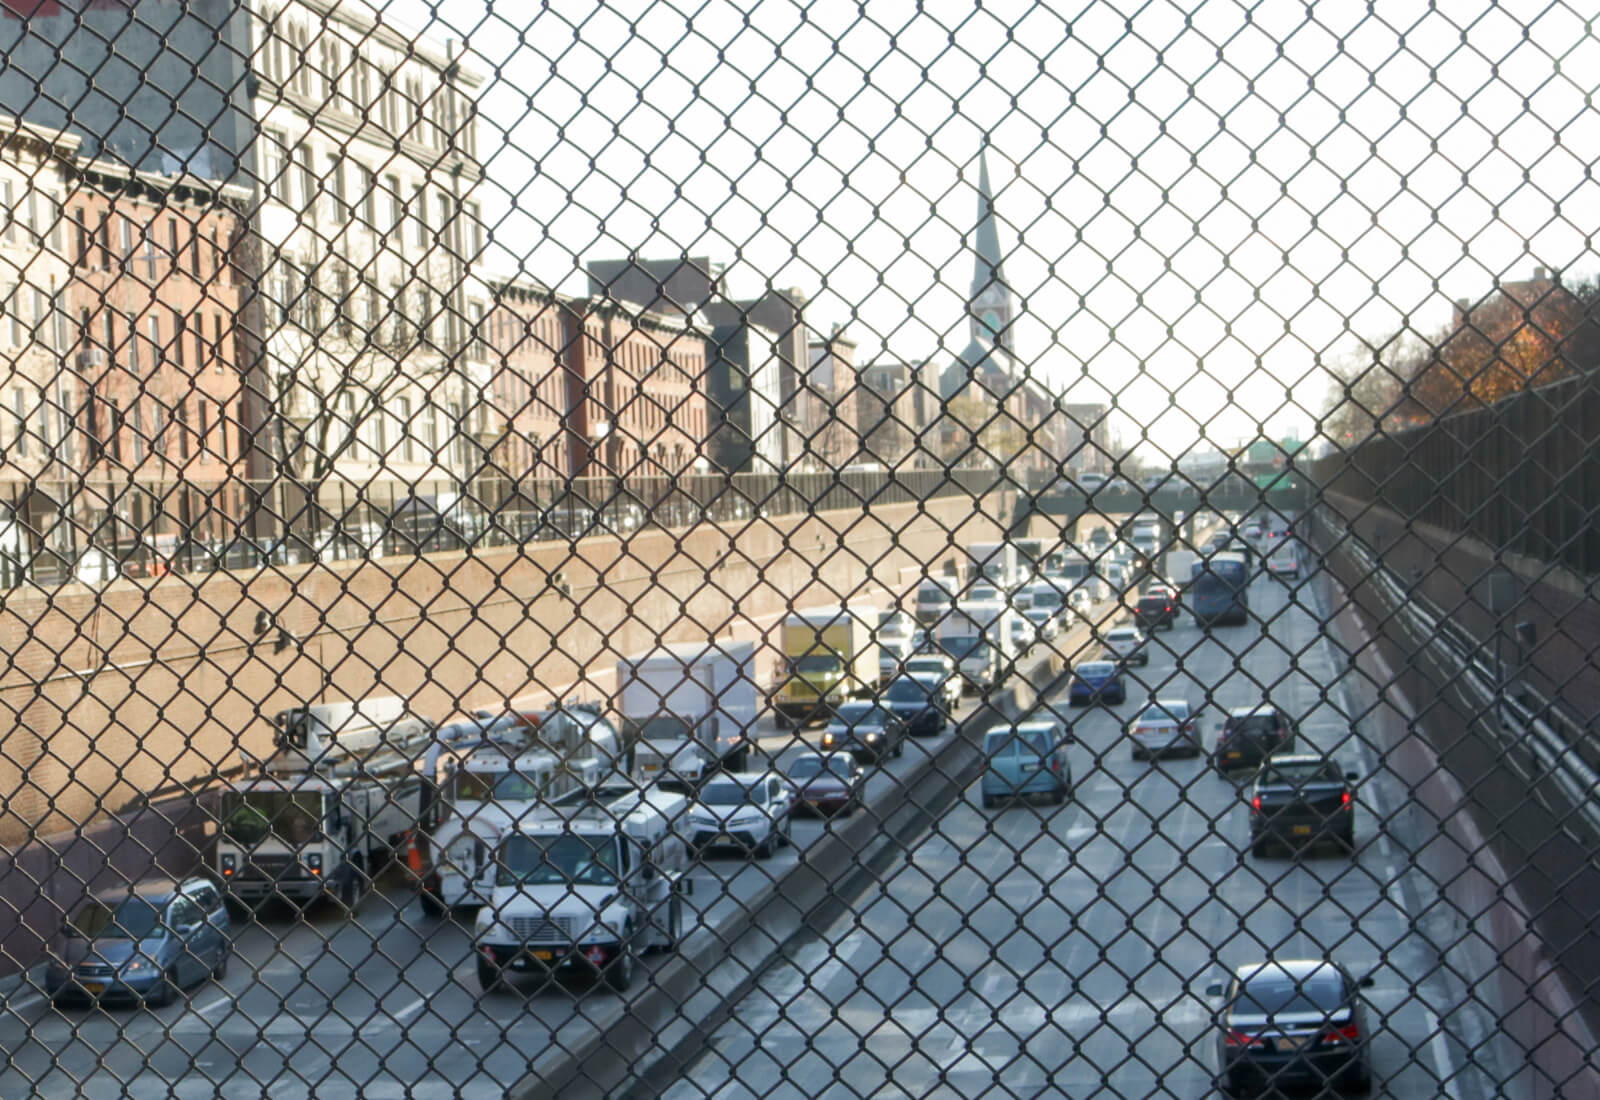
{"x": 664, "y": 1025}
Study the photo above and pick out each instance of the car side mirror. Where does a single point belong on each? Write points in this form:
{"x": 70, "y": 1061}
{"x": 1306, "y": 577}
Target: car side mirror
{"x": 649, "y": 871}
{"x": 686, "y": 886}
{"x": 1214, "y": 989}
{"x": 1367, "y": 982}
{"x": 70, "y": 931}
{"x": 187, "y": 929}
{"x": 1352, "y": 776}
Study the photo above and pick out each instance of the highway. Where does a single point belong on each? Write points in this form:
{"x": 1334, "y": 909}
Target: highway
{"x": 387, "y": 1005}
{"x": 1028, "y": 948}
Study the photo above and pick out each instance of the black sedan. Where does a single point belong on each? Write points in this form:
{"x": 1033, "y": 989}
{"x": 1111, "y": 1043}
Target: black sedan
{"x": 918, "y": 701}
{"x": 1300, "y": 801}
{"x": 868, "y": 731}
{"x": 1293, "y": 1023}
{"x": 1250, "y": 735}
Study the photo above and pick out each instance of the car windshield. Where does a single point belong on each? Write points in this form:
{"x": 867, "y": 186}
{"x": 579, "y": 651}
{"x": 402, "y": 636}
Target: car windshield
{"x": 558, "y": 861}
{"x": 926, "y": 665}
{"x": 727, "y": 793}
{"x": 1280, "y": 996}
{"x": 817, "y": 662}
{"x": 1009, "y": 741}
{"x": 1047, "y": 598}
{"x": 808, "y": 766}
{"x": 862, "y": 714}
{"x": 907, "y": 690}
{"x": 1096, "y": 669}
{"x": 509, "y": 786}
{"x": 1150, "y": 603}
{"x": 249, "y": 817}
{"x": 133, "y": 919}
{"x": 1122, "y": 637}
{"x": 1165, "y": 713}
{"x": 1301, "y": 771}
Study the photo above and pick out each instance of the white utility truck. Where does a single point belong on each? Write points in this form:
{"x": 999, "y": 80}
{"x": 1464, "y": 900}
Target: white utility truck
{"x": 347, "y": 783}
{"x": 496, "y": 769}
{"x": 689, "y": 708}
{"x": 587, "y": 886}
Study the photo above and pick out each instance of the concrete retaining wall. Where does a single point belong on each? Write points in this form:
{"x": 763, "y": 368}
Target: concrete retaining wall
{"x": 143, "y": 688}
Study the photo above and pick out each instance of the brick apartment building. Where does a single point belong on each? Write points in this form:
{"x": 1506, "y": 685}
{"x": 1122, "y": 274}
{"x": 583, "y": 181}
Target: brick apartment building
{"x": 589, "y": 388}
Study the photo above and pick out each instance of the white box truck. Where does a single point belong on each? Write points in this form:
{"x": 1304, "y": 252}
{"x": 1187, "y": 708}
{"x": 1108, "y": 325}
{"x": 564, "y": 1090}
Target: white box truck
{"x": 977, "y": 636}
{"x": 686, "y": 703}
{"x": 994, "y": 562}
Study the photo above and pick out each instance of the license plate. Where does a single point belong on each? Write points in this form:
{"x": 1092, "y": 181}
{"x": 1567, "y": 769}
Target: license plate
{"x": 94, "y": 987}
{"x": 648, "y": 769}
{"x": 1294, "y": 1042}
{"x": 1302, "y": 830}
{"x": 543, "y": 956}
{"x": 1235, "y": 756}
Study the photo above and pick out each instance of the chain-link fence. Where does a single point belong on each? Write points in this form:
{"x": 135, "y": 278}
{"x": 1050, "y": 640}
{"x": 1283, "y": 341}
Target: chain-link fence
{"x": 843, "y": 550}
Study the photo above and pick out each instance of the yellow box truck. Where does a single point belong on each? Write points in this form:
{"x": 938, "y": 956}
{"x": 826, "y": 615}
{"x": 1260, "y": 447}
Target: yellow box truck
{"x": 830, "y": 656}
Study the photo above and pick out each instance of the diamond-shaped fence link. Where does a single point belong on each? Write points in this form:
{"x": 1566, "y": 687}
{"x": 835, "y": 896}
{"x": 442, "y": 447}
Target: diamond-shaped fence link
{"x": 768, "y": 551}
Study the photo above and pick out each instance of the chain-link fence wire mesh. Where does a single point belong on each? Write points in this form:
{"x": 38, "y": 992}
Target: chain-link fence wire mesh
{"x": 770, "y": 550}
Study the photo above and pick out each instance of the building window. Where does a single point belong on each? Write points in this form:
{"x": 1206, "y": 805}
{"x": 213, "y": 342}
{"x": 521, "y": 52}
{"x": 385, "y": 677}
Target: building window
{"x": 174, "y": 253}
{"x": 403, "y": 411}
{"x": 419, "y": 215}
{"x": 369, "y": 197}
{"x": 274, "y": 177}
{"x": 308, "y": 181}
{"x": 396, "y": 204}
{"x": 105, "y": 241}
{"x": 204, "y": 438}
{"x": 80, "y": 233}
{"x": 148, "y": 251}
{"x": 133, "y": 345}
{"x": 126, "y": 241}
{"x": 157, "y": 352}
{"x": 180, "y": 333}
{"x": 19, "y": 411}
{"x": 338, "y": 207}
{"x": 216, "y": 342}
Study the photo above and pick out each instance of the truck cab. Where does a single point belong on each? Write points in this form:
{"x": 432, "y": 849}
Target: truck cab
{"x": 484, "y": 790}
{"x": 587, "y": 886}
{"x": 347, "y": 784}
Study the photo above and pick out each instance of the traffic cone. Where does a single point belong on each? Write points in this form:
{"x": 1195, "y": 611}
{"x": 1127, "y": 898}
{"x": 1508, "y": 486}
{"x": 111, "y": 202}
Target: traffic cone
{"x": 413, "y": 856}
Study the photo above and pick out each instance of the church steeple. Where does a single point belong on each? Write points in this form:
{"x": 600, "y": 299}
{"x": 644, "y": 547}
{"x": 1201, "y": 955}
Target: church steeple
{"x": 990, "y": 303}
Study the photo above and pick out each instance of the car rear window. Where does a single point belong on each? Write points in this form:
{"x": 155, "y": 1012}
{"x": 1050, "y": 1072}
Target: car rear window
{"x": 1152, "y": 603}
{"x": 1280, "y": 996}
{"x": 1256, "y": 725}
{"x": 1309, "y": 771}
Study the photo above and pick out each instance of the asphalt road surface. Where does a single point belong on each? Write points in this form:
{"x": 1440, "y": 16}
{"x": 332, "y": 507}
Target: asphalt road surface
{"x": 385, "y": 1005}
{"x": 1032, "y": 951}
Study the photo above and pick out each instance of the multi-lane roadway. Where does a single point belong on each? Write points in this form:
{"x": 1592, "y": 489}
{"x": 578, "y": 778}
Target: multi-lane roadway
{"x": 387, "y": 1004}
{"x": 1034, "y": 950}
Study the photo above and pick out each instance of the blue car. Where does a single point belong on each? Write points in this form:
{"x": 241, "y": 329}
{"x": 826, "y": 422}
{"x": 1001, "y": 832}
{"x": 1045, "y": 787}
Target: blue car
{"x": 143, "y": 944}
{"x": 1097, "y": 682}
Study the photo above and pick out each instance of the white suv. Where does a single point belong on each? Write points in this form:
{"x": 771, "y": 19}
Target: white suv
{"x": 745, "y": 810}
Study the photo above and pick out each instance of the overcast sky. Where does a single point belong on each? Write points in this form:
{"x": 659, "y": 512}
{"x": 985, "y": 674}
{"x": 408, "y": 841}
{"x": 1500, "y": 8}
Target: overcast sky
{"x": 1198, "y": 208}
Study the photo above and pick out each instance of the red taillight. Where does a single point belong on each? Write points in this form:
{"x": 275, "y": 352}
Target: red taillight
{"x": 1345, "y": 798}
{"x": 1349, "y": 1033}
{"x": 1238, "y": 1039}
{"x": 227, "y": 872}
{"x": 1255, "y": 803}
